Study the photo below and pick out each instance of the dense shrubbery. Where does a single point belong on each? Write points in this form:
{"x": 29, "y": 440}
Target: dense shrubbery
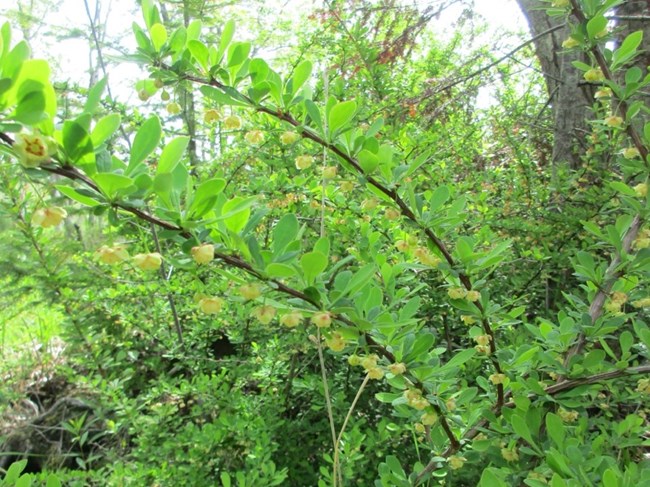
{"x": 359, "y": 281}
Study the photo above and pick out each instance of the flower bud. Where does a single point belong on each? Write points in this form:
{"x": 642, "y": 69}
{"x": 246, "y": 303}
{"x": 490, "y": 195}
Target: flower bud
{"x": 250, "y": 291}
{"x": 304, "y": 161}
{"x": 173, "y": 108}
{"x": 112, "y": 255}
{"x": 143, "y": 95}
{"x": 354, "y": 360}
{"x": 264, "y": 314}
{"x": 202, "y": 254}
{"x": 402, "y": 245}
{"x": 289, "y": 137}
{"x": 254, "y": 137}
{"x": 211, "y": 305}
{"x": 148, "y": 262}
{"x": 49, "y": 217}
{"x": 164, "y": 95}
{"x": 426, "y": 257}
{"x": 322, "y": 319}
{"x": 232, "y": 122}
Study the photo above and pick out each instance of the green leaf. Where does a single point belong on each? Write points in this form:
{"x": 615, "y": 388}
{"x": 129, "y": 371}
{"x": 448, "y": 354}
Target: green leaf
{"x": 158, "y": 36}
{"x": 555, "y": 428}
{"x": 205, "y": 196}
{"x": 53, "y": 481}
{"x": 368, "y": 161}
{"x": 341, "y": 114}
{"x": 226, "y": 38}
{"x": 300, "y": 75}
{"x": 439, "y": 198}
{"x": 489, "y": 479}
{"x": 235, "y": 213}
{"x": 146, "y": 140}
{"x": 75, "y": 195}
{"x": 284, "y": 232}
{"x": 172, "y": 153}
{"x": 221, "y": 97}
{"x": 237, "y": 53}
{"x": 459, "y": 359}
{"x": 111, "y": 183}
{"x": 596, "y": 25}
{"x": 225, "y": 479}
{"x": 610, "y": 479}
{"x": 105, "y": 128}
{"x": 360, "y": 278}
{"x": 14, "y": 472}
{"x": 323, "y": 246}
{"x": 31, "y": 108}
{"x": 276, "y": 269}
{"x": 521, "y": 428}
{"x": 200, "y": 53}
{"x": 313, "y": 264}
{"x": 627, "y": 50}
{"x": 76, "y": 141}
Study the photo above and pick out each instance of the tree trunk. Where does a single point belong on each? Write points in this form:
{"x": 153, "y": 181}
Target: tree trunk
{"x": 570, "y": 97}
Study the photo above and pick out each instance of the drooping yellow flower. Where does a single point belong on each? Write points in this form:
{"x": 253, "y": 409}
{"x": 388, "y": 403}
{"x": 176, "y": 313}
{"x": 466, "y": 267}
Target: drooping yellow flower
{"x": 594, "y": 75}
{"x": 210, "y": 305}
{"x": 212, "y": 115}
{"x": 264, "y": 314}
{"x": 250, "y": 291}
{"x": 232, "y": 122}
{"x": 148, "y": 262}
{"x": 322, "y": 319}
{"x": 457, "y": 292}
{"x": 202, "y": 254}
{"x": 289, "y": 137}
{"x": 49, "y": 217}
{"x": 291, "y": 320}
{"x": 304, "y": 161}
{"x": 397, "y": 368}
{"x": 254, "y": 137}
{"x": 112, "y": 255}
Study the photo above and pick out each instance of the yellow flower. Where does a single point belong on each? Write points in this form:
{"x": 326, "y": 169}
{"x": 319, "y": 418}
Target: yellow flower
{"x": 264, "y": 314}
{"x": 603, "y": 93}
{"x": 473, "y": 296}
{"x": 291, "y": 320}
{"x": 570, "y": 42}
{"x": 212, "y": 115}
{"x": 173, "y": 108}
{"x": 643, "y": 386}
{"x": 232, "y": 122}
{"x": 211, "y": 305}
{"x": 567, "y": 416}
{"x": 329, "y": 172}
{"x": 322, "y": 319}
{"x": 468, "y": 320}
{"x": 482, "y": 349}
{"x": 497, "y": 378}
{"x": 641, "y": 303}
{"x": 509, "y": 455}
{"x": 641, "y": 190}
{"x": 456, "y": 462}
{"x": 335, "y": 342}
{"x": 34, "y": 149}
{"x": 369, "y": 204}
{"x": 376, "y": 373}
{"x": 419, "y": 428}
{"x": 631, "y": 153}
{"x": 49, "y": 217}
{"x": 304, "y": 161}
{"x": 425, "y": 257}
{"x": 354, "y": 360}
{"x": 397, "y": 368}
{"x": 593, "y": 75}
{"x": 148, "y": 262}
{"x": 391, "y": 214}
{"x": 429, "y": 418}
{"x": 369, "y": 362}
{"x": 450, "y": 404}
{"x": 289, "y": 137}
{"x": 402, "y": 245}
{"x": 112, "y": 255}
{"x": 613, "y": 121}
{"x": 202, "y": 254}
{"x": 254, "y": 137}
{"x": 346, "y": 186}
{"x": 457, "y": 292}
{"x": 250, "y": 291}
